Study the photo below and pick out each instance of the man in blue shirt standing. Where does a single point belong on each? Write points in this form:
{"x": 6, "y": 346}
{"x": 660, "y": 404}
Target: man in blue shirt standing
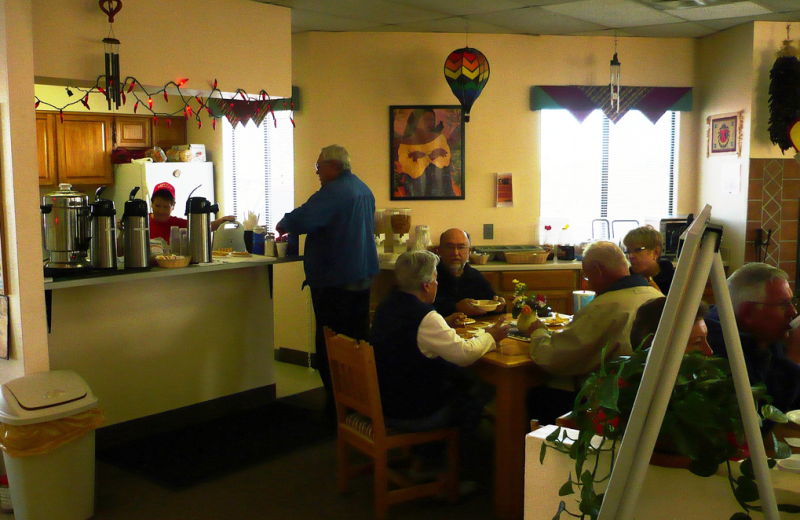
{"x": 340, "y": 258}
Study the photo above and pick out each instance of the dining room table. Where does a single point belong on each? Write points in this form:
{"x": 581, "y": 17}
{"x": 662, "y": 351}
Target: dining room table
{"x": 512, "y": 372}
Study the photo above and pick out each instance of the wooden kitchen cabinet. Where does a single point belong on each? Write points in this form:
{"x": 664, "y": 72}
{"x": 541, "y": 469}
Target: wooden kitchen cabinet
{"x": 133, "y": 132}
{"x": 166, "y": 136}
{"x": 555, "y": 285}
{"x": 46, "y": 147}
{"x": 83, "y": 149}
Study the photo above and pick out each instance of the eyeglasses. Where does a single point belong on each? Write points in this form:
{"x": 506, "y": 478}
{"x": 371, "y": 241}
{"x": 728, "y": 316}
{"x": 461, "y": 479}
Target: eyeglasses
{"x": 635, "y": 251}
{"x": 454, "y": 247}
{"x": 784, "y": 305}
{"x": 316, "y": 166}
{"x": 583, "y": 275}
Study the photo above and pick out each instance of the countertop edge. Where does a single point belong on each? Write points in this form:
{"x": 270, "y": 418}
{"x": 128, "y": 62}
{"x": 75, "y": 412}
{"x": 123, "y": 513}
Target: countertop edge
{"x": 504, "y": 266}
{"x": 160, "y": 272}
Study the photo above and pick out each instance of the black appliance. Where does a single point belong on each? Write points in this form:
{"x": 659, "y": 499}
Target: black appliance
{"x": 671, "y": 230}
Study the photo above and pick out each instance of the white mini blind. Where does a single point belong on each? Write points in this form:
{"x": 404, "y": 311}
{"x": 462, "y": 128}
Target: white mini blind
{"x": 596, "y": 169}
{"x": 259, "y": 169}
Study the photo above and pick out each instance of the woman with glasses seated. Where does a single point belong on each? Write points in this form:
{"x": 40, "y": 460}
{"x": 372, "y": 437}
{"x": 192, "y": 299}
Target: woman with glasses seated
{"x": 643, "y": 246}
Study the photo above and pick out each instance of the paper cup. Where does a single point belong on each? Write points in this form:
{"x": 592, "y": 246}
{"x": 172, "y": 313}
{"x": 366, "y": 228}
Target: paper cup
{"x": 282, "y": 247}
{"x": 581, "y": 299}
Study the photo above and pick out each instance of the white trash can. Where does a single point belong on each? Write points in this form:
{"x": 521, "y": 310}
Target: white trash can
{"x": 57, "y": 484}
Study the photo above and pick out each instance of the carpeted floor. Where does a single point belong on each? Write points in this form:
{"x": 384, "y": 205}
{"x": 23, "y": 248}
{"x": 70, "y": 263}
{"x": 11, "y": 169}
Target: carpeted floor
{"x": 191, "y": 455}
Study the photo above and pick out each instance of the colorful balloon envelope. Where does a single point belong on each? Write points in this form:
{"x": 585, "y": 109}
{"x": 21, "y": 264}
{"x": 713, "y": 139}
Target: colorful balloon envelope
{"x": 466, "y": 71}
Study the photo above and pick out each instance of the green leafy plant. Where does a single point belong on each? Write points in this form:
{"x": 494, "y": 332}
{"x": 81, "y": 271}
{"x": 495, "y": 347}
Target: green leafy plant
{"x": 702, "y": 423}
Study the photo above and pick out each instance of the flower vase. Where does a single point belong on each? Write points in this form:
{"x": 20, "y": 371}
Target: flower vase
{"x": 525, "y": 321}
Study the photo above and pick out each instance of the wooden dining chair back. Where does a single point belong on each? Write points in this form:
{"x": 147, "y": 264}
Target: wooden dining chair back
{"x": 360, "y": 425}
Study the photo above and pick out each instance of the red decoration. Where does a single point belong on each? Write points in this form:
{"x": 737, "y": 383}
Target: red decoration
{"x": 113, "y": 8}
{"x": 124, "y": 99}
{"x": 133, "y": 84}
{"x": 37, "y": 104}
{"x": 136, "y": 106}
{"x": 199, "y": 124}
{"x": 150, "y": 102}
{"x": 214, "y": 124}
{"x": 215, "y": 84}
{"x": 166, "y": 98}
{"x": 61, "y": 116}
{"x": 182, "y": 82}
{"x": 169, "y": 122}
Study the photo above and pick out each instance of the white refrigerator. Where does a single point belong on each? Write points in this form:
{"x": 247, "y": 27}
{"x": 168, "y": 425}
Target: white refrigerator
{"x": 184, "y": 176}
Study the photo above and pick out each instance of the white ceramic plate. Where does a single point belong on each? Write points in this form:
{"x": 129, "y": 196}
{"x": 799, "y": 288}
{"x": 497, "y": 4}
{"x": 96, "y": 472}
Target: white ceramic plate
{"x": 794, "y": 416}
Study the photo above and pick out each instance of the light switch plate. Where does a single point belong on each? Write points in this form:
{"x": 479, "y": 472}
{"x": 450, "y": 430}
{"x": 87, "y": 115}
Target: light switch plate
{"x": 488, "y": 231}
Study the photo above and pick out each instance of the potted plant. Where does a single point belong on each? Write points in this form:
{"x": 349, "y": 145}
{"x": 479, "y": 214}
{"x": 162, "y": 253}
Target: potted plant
{"x": 537, "y": 303}
{"x": 702, "y": 424}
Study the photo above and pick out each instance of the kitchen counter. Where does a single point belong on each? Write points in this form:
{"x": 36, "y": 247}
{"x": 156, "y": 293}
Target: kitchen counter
{"x": 121, "y": 275}
{"x": 168, "y": 341}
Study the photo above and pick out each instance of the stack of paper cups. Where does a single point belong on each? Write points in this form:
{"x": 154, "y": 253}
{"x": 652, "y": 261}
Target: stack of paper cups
{"x": 581, "y": 299}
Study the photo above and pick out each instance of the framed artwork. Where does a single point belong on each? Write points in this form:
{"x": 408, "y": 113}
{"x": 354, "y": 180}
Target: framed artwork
{"x": 725, "y": 133}
{"x": 504, "y": 193}
{"x": 426, "y": 152}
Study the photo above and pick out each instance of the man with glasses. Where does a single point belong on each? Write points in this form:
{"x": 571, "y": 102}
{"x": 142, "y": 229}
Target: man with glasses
{"x": 601, "y": 328}
{"x": 460, "y": 284}
{"x": 762, "y": 302}
{"x": 340, "y": 258}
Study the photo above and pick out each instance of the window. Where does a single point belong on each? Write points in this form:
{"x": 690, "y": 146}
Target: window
{"x": 597, "y": 169}
{"x": 259, "y": 169}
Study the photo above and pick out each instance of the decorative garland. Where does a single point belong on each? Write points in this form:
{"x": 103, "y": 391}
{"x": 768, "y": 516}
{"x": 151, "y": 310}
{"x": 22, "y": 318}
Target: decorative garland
{"x": 784, "y": 94}
{"x": 216, "y": 107}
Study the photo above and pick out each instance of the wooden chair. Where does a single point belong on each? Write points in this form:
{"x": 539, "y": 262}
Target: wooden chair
{"x": 361, "y": 426}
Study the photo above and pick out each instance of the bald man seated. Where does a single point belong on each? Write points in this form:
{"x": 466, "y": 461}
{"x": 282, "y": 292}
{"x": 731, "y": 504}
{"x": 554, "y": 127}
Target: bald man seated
{"x": 459, "y": 283}
{"x": 571, "y": 355}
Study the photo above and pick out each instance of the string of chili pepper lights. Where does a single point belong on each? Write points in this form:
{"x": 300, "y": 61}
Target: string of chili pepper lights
{"x": 130, "y": 85}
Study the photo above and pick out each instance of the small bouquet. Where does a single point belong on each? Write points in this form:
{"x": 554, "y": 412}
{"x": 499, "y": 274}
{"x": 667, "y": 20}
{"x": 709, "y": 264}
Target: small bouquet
{"x": 537, "y": 303}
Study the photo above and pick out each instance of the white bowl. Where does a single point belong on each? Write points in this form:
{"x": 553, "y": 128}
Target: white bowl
{"x": 486, "y": 305}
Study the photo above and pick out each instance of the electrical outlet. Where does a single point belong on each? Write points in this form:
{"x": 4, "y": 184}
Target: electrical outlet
{"x": 488, "y": 231}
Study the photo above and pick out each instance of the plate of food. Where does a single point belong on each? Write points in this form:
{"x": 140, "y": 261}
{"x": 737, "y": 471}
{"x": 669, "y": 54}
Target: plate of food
{"x": 467, "y": 321}
{"x": 556, "y": 320}
{"x": 469, "y": 333}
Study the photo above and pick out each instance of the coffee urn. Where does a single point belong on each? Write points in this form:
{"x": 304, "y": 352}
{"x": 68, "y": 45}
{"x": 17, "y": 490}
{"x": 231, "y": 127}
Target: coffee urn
{"x": 65, "y": 225}
{"x": 198, "y": 212}
{"x": 136, "y": 233}
{"x": 103, "y": 249}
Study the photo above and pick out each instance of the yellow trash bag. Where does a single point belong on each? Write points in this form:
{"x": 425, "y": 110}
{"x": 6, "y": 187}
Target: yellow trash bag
{"x": 37, "y": 439}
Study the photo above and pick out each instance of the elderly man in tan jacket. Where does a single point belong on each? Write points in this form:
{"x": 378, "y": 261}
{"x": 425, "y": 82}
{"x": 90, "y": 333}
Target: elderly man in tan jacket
{"x": 605, "y": 323}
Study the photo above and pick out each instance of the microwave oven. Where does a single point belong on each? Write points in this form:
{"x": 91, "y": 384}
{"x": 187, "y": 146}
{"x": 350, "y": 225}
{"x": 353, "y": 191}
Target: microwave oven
{"x": 671, "y": 230}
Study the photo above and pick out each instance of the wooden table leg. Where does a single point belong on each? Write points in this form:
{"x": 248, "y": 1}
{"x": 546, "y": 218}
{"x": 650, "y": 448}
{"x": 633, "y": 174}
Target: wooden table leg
{"x": 510, "y": 431}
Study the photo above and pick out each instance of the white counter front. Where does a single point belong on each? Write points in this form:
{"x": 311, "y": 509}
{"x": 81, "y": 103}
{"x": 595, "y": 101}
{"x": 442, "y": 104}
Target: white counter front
{"x": 158, "y": 340}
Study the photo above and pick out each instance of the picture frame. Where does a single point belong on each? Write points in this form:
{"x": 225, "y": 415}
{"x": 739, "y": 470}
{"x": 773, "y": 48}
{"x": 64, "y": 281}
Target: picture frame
{"x": 426, "y": 152}
{"x": 725, "y": 132}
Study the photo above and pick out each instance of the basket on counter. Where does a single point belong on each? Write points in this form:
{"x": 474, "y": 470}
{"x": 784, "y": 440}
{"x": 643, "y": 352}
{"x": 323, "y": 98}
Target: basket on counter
{"x": 172, "y": 263}
{"x": 526, "y": 257}
{"x": 478, "y": 258}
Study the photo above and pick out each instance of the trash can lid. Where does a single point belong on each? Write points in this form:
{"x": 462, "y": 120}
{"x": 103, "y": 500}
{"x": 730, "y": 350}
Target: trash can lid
{"x": 44, "y": 396}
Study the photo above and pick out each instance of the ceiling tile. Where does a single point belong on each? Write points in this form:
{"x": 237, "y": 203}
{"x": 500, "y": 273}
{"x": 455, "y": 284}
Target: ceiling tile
{"x": 303, "y": 21}
{"x": 780, "y": 6}
{"x": 613, "y": 13}
{"x": 534, "y": 20}
{"x": 460, "y": 7}
{"x": 373, "y": 10}
{"x": 725, "y": 23}
{"x": 736, "y": 10}
{"x": 671, "y": 30}
{"x": 453, "y": 24}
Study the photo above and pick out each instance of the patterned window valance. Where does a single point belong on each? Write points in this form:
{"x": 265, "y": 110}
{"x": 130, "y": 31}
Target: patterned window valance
{"x": 583, "y": 100}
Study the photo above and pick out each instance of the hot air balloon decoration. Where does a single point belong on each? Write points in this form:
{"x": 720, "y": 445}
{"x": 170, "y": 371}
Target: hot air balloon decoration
{"x": 466, "y": 71}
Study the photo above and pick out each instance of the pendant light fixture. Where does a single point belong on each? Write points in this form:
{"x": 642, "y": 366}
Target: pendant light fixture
{"x": 111, "y": 46}
{"x": 615, "y": 77}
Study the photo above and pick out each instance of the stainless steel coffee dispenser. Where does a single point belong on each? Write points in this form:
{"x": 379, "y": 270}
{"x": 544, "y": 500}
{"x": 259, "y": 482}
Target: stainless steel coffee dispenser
{"x": 136, "y": 233}
{"x": 103, "y": 250}
{"x": 198, "y": 212}
{"x": 65, "y": 225}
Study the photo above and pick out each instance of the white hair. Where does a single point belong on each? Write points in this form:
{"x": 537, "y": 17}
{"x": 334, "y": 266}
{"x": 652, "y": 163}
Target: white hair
{"x": 749, "y": 283}
{"x": 607, "y": 254}
{"x": 337, "y": 154}
{"x": 414, "y": 268}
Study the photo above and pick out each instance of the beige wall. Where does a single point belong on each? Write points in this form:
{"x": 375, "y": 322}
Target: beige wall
{"x": 725, "y": 84}
{"x": 241, "y": 43}
{"x": 20, "y": 195}
{"x": 348, "y": 81}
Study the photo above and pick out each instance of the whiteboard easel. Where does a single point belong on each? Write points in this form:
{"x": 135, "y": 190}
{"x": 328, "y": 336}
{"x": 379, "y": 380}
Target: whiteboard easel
{"x": 698, "y": 260}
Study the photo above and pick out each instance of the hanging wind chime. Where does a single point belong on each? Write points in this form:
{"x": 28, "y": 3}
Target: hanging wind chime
{"x": 784, "y": 94}
{"x": 113, "y": 90}
{"x": 466, "y": 71}
{"x": 615, "y": 77}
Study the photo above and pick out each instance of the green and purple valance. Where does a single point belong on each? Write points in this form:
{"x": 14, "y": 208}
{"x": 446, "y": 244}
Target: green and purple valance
{"x": 583, "y": 100}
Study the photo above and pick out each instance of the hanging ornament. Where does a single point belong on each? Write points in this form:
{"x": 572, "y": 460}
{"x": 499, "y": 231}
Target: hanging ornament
{"x": 466, "y": 71}
{"x": 784, "y": 94}
{"x": 615, "y": 84}
{"x": 111, "y": 47}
